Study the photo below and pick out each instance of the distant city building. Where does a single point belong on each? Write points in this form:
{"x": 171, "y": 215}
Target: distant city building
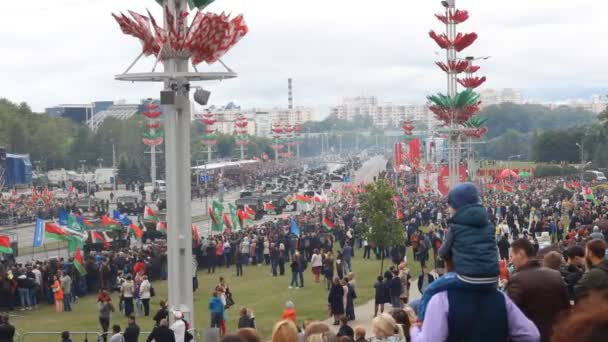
{"x": 94, "y": 114}
{"x": 491, "y": 97}
{"x": 597, "y": 104}
{"x": 260, "y": 120}
{"x": 79, "y": 113}
{"x": 382, "y": 114}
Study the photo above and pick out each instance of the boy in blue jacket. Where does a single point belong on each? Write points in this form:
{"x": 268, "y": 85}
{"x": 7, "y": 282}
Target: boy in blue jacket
{"x": 469, "y": 243}
{"x": 217, "y": 310}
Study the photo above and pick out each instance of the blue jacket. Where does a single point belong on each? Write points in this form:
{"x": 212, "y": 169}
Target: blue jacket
{"x": 215, "y": 305}
{"x": 471, "y": 243}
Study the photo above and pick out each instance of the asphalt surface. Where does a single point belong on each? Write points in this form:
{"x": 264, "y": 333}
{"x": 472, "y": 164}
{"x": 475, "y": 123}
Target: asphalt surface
{"x": 24, "y": 234}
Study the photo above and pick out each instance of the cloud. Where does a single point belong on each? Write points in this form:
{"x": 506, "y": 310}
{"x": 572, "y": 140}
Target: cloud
{"x": 67, "y": 51}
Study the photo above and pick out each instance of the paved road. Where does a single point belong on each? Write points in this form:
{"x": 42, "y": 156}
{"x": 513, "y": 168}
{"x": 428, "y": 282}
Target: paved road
{"x": 25, "y": 234}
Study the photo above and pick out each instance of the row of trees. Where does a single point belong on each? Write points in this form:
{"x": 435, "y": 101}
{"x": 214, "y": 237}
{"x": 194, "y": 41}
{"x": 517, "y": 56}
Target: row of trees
{"x": 518, "y": 130}
{"x": 54, "y": 142}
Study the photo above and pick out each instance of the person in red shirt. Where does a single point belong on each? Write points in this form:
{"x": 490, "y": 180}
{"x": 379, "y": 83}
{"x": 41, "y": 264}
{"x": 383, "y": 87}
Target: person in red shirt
{"x": 289, "y": 312}
{"x": 139, "y": 267}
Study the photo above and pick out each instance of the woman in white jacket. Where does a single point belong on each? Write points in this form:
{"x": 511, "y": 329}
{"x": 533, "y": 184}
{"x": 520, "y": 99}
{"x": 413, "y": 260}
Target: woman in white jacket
{"x": 145, "y": 294}
{"x": 316, "y": 261}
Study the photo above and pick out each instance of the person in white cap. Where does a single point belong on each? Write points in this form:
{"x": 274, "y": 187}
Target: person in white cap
{"x": 178, "y": 326}
{"x": 597, "y": 234}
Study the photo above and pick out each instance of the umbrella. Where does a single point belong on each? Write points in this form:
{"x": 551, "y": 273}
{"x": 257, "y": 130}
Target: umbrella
{"x": 524, "y": 174}
{"x": 506, "y": 173}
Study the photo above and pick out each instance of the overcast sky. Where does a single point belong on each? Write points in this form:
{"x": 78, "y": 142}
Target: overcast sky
{"x": 67, "y": 51}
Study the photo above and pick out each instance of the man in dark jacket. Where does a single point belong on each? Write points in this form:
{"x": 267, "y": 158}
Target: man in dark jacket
{"x": 597, "y": 276}
{"x": 7, "y": 331}
{"x": 162, "y": 333}
{"x": 131, "y": 333}
{"x": 574, "y": 268}
{"x": 395, "y": 287}
{"x": 539, "y": 292}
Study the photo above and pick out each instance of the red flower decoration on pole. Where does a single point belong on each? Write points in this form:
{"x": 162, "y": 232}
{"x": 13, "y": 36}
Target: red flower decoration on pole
{"x": 455, "y": 67}
{"x": 472, "y": 82}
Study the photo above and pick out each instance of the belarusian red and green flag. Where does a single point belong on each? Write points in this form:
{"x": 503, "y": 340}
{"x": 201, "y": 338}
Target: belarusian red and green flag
{"x": 97, "y": 237}
{"x": 5, "y": 245}
{"x": 328, "y": 224}
{"x": 109, "y": 223}
{"x": 53, "y": 231}
{"x": 243, "y": 216}
{"x": 269, "y": 206}
{"x": 227, "y": 221}
{"x": 137, "y": 232}
{"x": 79, "y": 262}
{"x": 150, "y": 215}
{"x": 161, "y": 227}
{"x": 302, "y": 198}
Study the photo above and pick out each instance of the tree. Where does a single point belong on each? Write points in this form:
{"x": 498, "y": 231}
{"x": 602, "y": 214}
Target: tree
{"x": 123, "y": 169}
{"x": 378, "y": 212}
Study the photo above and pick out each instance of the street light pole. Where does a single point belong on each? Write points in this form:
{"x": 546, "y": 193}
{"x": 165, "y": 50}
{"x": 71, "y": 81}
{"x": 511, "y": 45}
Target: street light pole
{"x": 177, "y": 145}
{"x": 581, "y": 147}
{"x": 82, "y": 162}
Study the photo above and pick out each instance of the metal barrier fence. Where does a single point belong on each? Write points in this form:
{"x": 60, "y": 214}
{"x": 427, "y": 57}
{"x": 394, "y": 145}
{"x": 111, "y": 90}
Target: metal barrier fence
{"x": 90, "y": 336}
{"x": 56, "y": 335}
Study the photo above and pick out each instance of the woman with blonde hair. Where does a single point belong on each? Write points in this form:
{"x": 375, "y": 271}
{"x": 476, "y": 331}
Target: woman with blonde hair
{"x": 285, "y": 331}
{"x": 386, "y": 328}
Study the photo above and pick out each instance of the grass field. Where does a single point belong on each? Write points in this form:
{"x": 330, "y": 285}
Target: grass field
{"x": 264, "y": 294}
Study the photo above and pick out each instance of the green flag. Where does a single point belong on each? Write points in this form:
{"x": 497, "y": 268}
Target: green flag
{"x": 73, "y": 224}
{"x": 74, "y": 243}
{"x": 218, "y": 209}
{"x": 234, "y": 217}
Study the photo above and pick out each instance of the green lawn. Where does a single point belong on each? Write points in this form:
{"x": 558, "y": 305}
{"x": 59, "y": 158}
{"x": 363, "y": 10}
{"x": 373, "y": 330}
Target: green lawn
{"x": 265, "y": 295}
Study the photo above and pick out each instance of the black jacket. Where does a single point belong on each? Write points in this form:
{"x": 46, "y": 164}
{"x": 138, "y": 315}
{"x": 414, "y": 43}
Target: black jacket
{"x": 595, "y": 279}
{"x": 131, "y": 333}
{"x": 541, "y": 294}
{"x": 571, "y": 275}
{"x": 161, "y": 334}
{"x": 395, "y": 286}
{"x": 7, "y": 332}
{"x": 346, "y": 331}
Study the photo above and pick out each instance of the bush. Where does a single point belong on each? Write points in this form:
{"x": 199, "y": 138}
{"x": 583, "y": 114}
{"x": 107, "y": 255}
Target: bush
{"x": 554, "y": 171}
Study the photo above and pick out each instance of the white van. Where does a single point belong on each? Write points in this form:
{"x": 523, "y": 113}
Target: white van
{"x": 160, "y": 186}
{"x": 597, "y": 175}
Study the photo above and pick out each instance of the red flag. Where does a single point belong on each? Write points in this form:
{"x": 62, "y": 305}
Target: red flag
{"x": 507, "y": 188}
{"x": 328, "y": 224}
{"x": 227, "y": 220}
{"x": 400, "y": 215}
{"x": 249, "y": 210}
{"x": 269, "y": 206}
{"x": 415, "y": 152}
{"x": 136, "y": 230}
{"x": 195, "y": 235}
{"x": 97, "y": 237}
{"x": 243, "y": 215}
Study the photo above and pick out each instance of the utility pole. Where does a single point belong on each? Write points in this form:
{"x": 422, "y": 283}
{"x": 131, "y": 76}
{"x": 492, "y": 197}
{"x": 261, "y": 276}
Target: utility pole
{"x": 114, "y": 165}
{"x": 82, "y": 162}
{"x": 177, "y": 145}
{"x": 581, "y": 147}
{"x": 176, "y": 108}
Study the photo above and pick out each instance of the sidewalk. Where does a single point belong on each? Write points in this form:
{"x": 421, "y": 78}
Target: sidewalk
{"x": 365, "y": 313}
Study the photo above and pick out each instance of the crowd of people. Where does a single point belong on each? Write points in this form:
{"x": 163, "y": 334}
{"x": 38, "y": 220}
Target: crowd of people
{"x": 527, "y": 265}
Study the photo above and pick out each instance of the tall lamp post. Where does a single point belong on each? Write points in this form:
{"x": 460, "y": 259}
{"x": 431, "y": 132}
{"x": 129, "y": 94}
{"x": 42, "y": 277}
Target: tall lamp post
{"x": 581, "y": 147}
{"x": 177, "y": 45}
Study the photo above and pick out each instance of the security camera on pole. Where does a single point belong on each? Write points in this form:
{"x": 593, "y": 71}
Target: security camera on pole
{"x": 177, "y": 45}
